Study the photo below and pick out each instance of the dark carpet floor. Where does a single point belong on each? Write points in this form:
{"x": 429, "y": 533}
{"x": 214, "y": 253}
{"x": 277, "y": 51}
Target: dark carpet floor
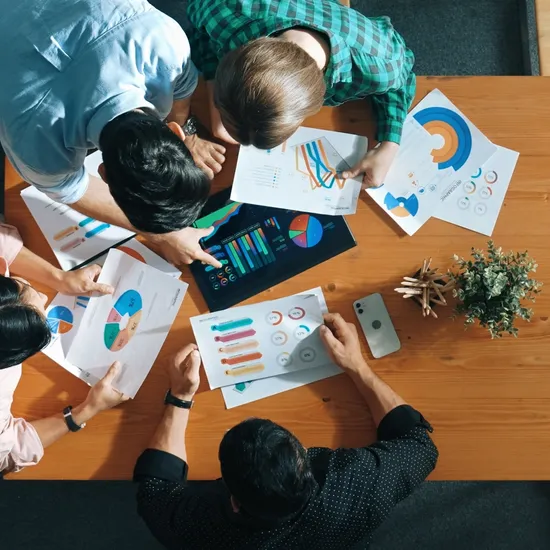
{"x": 97, "y": 515}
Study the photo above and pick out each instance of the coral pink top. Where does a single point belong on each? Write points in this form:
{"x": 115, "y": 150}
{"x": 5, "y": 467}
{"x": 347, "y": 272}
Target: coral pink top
{"x": 20, "y": 445}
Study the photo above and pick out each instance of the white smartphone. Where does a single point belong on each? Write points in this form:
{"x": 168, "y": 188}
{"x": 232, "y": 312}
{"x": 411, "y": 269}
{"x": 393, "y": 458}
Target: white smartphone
{"x": 376, "y": 325}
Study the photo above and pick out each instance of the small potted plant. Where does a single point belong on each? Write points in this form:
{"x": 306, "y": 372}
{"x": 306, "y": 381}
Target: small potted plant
{"x": 491, "y": 287}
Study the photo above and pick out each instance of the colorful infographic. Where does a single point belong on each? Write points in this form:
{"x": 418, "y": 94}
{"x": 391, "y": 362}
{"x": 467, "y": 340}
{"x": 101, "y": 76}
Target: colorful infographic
{"x": 60, "y": 319}
{"x": 317, "y": 160}
{"x": 475, "y": 202}
{"x": 438, "y": 145}
{"x": 260, "y": 246}
{"x": 457, "y": 138}
{"x": 261, "y": 340}
{"x": 304, "y": 175}
{"x": 305, "y": 231}
{"x": 123, "y": 320}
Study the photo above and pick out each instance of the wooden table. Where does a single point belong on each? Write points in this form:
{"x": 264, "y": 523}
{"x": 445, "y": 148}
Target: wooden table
{"x": 489, "y": 401}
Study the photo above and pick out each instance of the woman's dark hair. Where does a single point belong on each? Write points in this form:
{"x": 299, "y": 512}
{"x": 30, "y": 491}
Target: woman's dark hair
{"x": 266, "y": 469}
{"x": 151, "y": 173}
{"x": 23, "y": 329}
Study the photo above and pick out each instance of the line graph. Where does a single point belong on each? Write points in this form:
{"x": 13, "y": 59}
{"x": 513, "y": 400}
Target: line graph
{"x": 320, "y": 163}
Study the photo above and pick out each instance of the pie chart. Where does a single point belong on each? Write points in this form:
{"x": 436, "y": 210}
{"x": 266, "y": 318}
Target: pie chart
{"x": 60, "y": 319}
{"x": 305, "y": 231}
{"x": 123, "y": 320}
{"x": 132, "y": 252}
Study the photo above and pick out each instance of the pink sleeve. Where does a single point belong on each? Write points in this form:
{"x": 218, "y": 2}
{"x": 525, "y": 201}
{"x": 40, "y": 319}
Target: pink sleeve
{"x": 10, "y": 242}
{"x": 20, "y": 445}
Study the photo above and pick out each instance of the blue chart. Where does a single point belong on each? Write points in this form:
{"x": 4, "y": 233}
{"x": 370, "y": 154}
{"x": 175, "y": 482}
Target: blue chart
{"x": 60, "y": 319}
{"x": 317, "y": 160}
{"x": 457, "y": 138}
{"x": 305, "y": 231}
{"x": 249, "y": 252}
{"x": 400, "y": 206}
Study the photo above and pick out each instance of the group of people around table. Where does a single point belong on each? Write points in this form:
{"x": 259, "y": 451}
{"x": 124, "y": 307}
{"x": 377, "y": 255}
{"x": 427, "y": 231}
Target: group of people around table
{"x": 118, "y": 76}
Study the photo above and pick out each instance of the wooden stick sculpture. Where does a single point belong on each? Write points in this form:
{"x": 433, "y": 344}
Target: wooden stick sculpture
{"x": 427, "y": 287}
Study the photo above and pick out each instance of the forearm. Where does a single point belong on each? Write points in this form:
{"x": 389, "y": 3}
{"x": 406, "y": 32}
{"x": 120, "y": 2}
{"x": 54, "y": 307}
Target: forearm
{"x": 380, "y": 398}
{"x": 170, "y": 434}
{"x": 53, "y": 428}
{"x": 180, "y": 111}
{"x": 98, "y": 203}
{"x": 31, "y": 266}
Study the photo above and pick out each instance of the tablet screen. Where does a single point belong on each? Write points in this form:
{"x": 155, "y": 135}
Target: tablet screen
{"x": 260, "y": 247}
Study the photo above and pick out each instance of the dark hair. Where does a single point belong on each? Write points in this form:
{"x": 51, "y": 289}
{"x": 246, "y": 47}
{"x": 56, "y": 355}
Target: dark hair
{"x": 151, "y": 173}
{"x": 266, "y": 469}
{"x": 23, "y": 329}
{"x": 265, "y": 89}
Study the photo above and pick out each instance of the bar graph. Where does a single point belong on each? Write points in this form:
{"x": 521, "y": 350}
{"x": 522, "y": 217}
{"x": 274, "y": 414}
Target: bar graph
{"x": 249, "y": 252}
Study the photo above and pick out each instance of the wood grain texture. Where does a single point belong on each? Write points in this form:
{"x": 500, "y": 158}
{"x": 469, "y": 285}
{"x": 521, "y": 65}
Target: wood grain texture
{"x": 489, "y": 401}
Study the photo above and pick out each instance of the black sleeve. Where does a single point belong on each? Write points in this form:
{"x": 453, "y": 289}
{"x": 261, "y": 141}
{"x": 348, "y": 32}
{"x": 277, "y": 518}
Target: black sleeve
{"x": 368, "y": 482}
{"x": 161, "y": 494}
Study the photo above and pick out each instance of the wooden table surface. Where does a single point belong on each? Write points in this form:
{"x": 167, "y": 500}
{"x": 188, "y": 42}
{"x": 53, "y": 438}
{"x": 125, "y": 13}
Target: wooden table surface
{"x": 489, "y": 401}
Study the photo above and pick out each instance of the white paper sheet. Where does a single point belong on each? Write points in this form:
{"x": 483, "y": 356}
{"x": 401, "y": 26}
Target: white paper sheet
{"x": 303, "y": 174}
{"x": 247, "y": 392}
{"x": 439, "y": 145}
{"x": 129, "y": 326}
{"x": 261, "y": 340}
{"x": 73, "y": 237}
{"x": 475, "y": 202}
{"x": 140, "y": 252}
{"x": 71, "y": 309}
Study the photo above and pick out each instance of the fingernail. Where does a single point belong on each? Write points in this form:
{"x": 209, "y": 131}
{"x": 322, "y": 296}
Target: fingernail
{"x": 195, "y": 353}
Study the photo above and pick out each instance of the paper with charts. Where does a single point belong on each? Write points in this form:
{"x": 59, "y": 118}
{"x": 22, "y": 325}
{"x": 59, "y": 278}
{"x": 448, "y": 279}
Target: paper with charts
{"x": 475, "y": 202}
{"x": 304, "y": 173}
{"x": 260, "y": 340}
{"x": 73, "y": 237}
{"x": 65, "y": 312}
{"x": 242, "y": 393}
{"x": 129, "y": 326}
{"x": 439, "y": 145}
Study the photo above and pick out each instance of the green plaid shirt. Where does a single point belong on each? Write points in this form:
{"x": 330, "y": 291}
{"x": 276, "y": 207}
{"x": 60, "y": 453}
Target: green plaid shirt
{"x": 368, "y": 57}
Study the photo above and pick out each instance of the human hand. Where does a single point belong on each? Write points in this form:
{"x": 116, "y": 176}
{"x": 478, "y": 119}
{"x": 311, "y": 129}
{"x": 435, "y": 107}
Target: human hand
{"x": 208, "y": 156}
{"x": 342, "y": 343}
{"x": 103, "y": 396}
{"x": 183, "y": 246}
{"x": 183, "y": 370}
{"x": 374, "y": 165}
{"x": 82, "y": 282}
{"x": 217, "y": 127}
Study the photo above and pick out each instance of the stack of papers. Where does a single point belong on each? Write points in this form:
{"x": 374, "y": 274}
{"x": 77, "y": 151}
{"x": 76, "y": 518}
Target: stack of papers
{"x": 445, "y": 168}
{"x": 130, "y": 326}
{"x": 255, "y": 351}
{"x": 304, "y": 173}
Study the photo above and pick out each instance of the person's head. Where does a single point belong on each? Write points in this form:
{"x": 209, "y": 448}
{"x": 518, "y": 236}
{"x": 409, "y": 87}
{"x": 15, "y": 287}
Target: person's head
{"x": 23, "y": 327}
{"x": 265, "y": 89}
{"x": 266, "y": 470}
{"x": 151, "y": 173}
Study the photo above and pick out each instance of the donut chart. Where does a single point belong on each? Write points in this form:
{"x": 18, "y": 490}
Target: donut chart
{"x": 60, "y": 319}
{"x": 400, "y": 206}
{"x": 305, "y": 231}
{"x": 126, "y": 313}
{"x": 457, "y": 138}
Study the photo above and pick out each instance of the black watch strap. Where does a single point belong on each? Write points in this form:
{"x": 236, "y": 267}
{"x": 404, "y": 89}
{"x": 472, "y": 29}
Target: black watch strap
{"x": 69, "y": 420}
{"x": 170, "y": 399}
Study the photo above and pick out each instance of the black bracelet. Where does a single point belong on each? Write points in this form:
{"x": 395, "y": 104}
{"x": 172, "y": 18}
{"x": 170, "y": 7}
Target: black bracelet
{"x": 69, "y": 420}
{"x": 170, "y": 399}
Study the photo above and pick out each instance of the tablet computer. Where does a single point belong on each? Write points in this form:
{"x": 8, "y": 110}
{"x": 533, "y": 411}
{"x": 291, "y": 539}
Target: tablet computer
{"x": 260, "y": 246}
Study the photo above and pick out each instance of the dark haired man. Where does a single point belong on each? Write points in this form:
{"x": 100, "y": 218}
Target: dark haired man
{"x": 274, "y": 493}
{"x": 106, "y": 74}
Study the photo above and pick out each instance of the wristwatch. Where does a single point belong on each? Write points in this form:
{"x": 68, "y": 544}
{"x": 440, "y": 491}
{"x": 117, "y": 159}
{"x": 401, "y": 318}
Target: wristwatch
{"x": 170, "y": 399}
{"x": 190, "y": 127}
{"x": 69, "y": 420}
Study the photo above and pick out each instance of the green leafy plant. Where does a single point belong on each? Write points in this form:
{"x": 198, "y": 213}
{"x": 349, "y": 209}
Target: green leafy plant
{"x": 491, "y": 288}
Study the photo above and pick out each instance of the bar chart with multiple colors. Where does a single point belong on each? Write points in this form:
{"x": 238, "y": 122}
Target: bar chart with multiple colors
{"x": 249, "y": 252}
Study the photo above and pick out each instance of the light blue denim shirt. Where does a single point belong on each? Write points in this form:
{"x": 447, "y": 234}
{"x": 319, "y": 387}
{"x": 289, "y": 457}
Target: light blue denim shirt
{"x": 69, "y": 67}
